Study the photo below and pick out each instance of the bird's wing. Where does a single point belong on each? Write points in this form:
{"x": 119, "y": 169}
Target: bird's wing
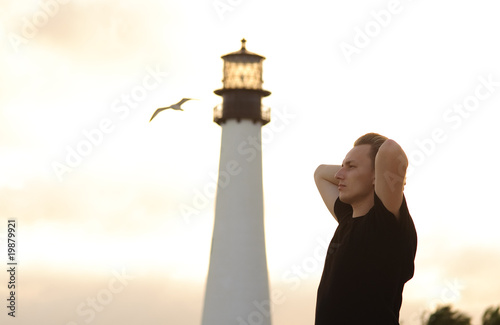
{"x": 182, "y": 101}
{"x": 157, "y": 111}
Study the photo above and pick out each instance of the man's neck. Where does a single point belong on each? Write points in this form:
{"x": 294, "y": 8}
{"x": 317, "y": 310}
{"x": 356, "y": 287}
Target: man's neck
{"x": 361, "y": 208}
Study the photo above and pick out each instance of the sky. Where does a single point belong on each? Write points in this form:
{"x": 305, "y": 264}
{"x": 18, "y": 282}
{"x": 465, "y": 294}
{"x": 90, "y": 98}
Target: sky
{"x": 114, "y": 214}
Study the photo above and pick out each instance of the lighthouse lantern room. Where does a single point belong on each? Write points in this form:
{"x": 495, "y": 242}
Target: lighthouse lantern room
{"x": 242, "y": 88}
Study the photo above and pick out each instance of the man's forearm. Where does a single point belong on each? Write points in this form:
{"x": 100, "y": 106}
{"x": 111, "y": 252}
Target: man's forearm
{"x": 327, "y": 172}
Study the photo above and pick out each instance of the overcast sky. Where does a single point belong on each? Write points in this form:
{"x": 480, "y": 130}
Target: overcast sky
{"x": 114, "y": 214}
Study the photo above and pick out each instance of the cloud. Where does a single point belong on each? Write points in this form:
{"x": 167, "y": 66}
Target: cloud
{"x": 465, "y": 276}
{"x": 114, "y": 296}
{"x": 93, "y": 32}
{"x": 478, "y": 269}
{"x": 114, "y": 204}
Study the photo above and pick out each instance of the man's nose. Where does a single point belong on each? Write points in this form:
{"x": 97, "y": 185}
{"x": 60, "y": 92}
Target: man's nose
{"x": 340, "y": 174}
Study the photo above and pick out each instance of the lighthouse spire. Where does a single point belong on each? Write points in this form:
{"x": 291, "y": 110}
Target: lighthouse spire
{"x": 237, "y": 290}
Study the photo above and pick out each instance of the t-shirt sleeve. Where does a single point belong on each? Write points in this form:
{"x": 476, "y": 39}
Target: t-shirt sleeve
{"x": 405, "y": 230}
{"x": 409, "y": 238}
{"x": 404, "y": 214}
{"x": 342, "y": 210}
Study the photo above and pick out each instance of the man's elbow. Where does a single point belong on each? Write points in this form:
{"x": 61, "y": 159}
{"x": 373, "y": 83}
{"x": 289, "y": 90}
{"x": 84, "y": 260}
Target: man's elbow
{"x": 318, "y": 172}
{"x": 390, "y": 150}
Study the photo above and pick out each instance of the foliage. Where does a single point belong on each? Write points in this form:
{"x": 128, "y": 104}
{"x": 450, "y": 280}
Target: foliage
{"x": 491, "y": 316}
{"x": 444, "y": 315}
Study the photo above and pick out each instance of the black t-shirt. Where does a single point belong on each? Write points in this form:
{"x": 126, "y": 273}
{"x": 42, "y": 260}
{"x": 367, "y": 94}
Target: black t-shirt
{"x": 369, "y": 260}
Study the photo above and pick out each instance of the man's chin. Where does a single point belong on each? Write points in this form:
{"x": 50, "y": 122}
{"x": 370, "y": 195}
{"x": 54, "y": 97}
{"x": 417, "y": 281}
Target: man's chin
{"x": 344, "y": 199}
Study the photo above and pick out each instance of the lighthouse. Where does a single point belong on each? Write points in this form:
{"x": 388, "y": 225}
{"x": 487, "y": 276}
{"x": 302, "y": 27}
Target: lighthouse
{"x": 237, "y": 289}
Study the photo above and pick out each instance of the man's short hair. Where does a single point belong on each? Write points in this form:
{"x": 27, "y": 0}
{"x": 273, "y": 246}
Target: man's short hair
{"x": 375, "y": 140}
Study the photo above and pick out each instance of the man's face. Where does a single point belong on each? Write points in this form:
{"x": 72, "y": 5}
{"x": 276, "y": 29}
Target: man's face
{"x": 356, "y": 177}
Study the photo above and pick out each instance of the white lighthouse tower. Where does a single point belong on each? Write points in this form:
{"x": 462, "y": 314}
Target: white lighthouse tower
{"x": 237, "y": 290}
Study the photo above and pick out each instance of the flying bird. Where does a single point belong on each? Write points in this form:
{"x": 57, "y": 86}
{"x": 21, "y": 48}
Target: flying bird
{"x": 177, "y": 107}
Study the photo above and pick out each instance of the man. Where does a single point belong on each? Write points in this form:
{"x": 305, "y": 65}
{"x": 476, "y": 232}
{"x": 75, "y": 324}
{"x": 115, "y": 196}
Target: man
{"x": 371, "y": 255}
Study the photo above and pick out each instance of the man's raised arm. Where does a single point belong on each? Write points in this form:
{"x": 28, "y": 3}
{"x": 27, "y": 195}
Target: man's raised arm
{"x": 327, "y": 184}
{"x": 390, "y": 175}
